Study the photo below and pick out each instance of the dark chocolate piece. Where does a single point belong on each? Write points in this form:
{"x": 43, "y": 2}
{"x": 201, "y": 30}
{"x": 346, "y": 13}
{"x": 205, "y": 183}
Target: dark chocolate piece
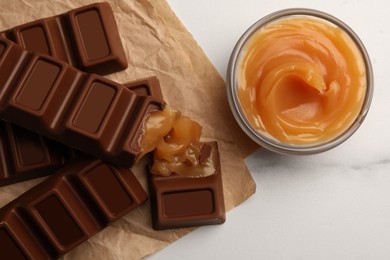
{"x": 178, "y": 201}
{"x": 86, "y": 38}
{"x": 26, "y": 155}
{"x": 205, "y": 153}
{"x": 84, "y": 111}
{"x": 67, "y": 209}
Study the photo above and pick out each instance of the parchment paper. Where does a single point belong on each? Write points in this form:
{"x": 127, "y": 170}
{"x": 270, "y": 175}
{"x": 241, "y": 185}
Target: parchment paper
{"x": 156, "y": 43}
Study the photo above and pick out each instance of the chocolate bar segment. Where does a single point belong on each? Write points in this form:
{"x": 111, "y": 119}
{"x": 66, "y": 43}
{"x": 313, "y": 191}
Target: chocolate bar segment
{"x": 67, "y": 209}
{"x": 178, "y": 201}
{"x": 19, "y": 242}
{"x": 26, "y": 155}
{"x": 86, "y": 37}
{"x": 149, "y": 86}
{"x": 85, "y": 111}
{"x": 8, "y": 245}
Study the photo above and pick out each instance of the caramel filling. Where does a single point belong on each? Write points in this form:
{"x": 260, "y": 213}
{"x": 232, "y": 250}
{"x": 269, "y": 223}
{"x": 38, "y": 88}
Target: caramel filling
{"x": 174, "y": 138}
{"x": 301, "y": 81}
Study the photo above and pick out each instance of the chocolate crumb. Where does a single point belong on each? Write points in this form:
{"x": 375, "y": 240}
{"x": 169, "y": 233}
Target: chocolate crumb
{"x": 205, "y": 154}
{"x": 188, "y": 162}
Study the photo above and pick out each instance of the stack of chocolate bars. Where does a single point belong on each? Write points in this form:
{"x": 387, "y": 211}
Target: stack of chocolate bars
{"x": 84, "y": 131}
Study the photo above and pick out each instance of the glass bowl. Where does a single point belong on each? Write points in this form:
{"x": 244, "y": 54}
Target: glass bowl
{"x": 265, "y": 140}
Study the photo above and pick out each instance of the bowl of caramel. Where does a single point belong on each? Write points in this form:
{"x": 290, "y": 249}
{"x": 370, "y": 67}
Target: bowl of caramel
{"x": 299, "y": 81}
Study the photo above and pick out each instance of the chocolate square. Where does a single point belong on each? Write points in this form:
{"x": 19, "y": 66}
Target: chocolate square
{"x": 178, "y": 201}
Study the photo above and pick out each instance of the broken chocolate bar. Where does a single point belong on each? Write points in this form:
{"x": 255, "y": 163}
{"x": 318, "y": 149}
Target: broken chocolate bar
{"x": 67, "y": 209}
{"x": 86, "y": 38}
{"x": 27, "y": 155}
{"x": 178, "y": 201}
{"x": 85, "y": 111}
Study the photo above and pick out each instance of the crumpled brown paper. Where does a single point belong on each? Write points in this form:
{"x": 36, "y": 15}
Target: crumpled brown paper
{"x": 156, "y": 43}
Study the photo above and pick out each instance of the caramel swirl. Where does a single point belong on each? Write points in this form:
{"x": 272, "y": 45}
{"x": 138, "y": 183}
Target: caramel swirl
{"x": 302, "y": 80}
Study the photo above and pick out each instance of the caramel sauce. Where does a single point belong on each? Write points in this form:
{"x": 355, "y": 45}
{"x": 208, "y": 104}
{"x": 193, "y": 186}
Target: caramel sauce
{"x": 301, "y": 80}
{"x": 174, "y": 138}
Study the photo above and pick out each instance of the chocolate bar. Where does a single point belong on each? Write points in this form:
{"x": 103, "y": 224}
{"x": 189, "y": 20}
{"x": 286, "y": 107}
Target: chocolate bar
{"x": 27, "y": 155}
{"x": 86, "y": 38}
{"x": 178, "y": 201}
{"x": 85, "y": 111}
{"x": 67, "y": 209}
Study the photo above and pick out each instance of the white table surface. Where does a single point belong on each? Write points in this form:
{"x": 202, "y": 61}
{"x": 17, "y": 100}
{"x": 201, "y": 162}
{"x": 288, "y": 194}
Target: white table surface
{"x": 334, "y": 205}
